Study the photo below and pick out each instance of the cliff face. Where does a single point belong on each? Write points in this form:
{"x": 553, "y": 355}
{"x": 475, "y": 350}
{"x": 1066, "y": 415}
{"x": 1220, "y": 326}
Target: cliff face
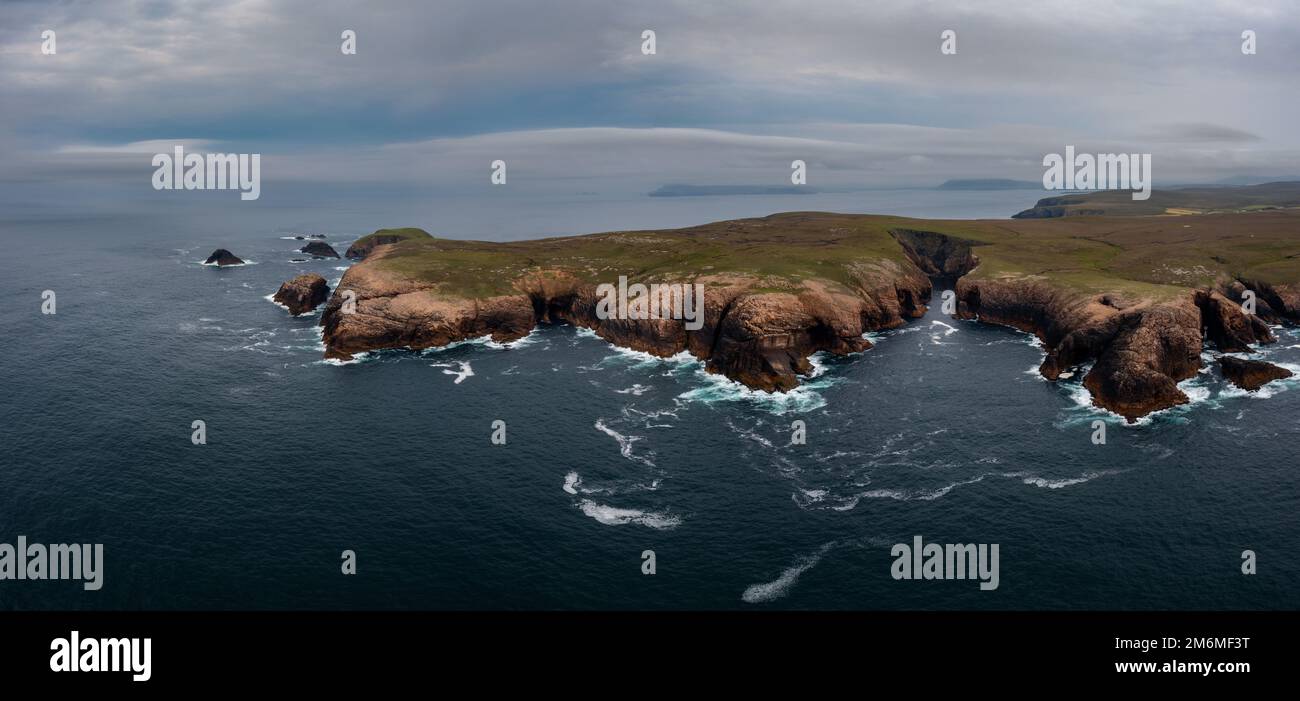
{"x": 303, "y": 293}
{"x": 758, "y": 337}
{"x": 937, "y": 255}
{"x": 395, "y": 313}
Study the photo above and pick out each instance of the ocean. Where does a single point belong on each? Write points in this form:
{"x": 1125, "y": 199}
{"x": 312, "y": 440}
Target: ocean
{"x": 944, "y": 430}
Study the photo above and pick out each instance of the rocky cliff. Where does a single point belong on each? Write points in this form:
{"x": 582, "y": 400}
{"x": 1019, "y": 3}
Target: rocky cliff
{"x": 751, "y": 334}
{"x": 1130, "y": 298}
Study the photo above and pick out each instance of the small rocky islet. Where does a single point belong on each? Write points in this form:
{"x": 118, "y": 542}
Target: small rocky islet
{"x": 221, "y": 257}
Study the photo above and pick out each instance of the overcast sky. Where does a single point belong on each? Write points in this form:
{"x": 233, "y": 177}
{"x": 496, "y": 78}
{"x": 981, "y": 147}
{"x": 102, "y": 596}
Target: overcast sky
{"x": 561, "y": 91}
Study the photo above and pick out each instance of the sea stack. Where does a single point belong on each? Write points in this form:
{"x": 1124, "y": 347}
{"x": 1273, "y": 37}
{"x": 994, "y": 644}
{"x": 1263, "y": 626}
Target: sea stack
{"x": 303, "y": 293}
{"x": 1250, "y": 375}
{"x": 222, "y": 257}
{"x": 320, "y": 249}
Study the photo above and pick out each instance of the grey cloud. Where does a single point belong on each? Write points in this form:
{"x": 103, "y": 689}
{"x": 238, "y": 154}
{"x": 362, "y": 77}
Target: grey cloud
{"x": 1201, "y": 133}
{"x": 1028, "y": 79}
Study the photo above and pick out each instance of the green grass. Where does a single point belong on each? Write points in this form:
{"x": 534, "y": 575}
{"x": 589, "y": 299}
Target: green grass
{"x": 1153, "y": 257}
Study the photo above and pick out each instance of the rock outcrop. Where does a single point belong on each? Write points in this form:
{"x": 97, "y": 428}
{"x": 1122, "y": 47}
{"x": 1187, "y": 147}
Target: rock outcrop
{"x": 303, "y": 293}
{"x": 320, "y": 249}
{"x": 1250, "y": 375}
{"x": 222, "y": 257}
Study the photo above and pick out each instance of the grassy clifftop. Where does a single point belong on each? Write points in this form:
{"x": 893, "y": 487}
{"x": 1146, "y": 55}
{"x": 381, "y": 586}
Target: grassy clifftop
{"x": 1154, "y": 257}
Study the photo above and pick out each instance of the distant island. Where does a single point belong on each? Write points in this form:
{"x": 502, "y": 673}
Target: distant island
{"x": 716, "y": 190}
{"x": 1133, "y": 298}
{"x": 990, "y": 184}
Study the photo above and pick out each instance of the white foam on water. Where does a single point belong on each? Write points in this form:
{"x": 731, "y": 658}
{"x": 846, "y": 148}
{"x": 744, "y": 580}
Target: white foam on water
{"x": 950, "y": 330}
{"x": 718, "y": 389}
{"x": 232, "y": 265}
{"x": 624, "y": 443}
{"x": 635, "y": 390}
{"x": 571, "y": 482}
{"x": 836, "y": 455}
{"x": 533, "y": 337}
{"x": 813, "y": 495}
{"x": 356, "y": 359}
{"x": 1060, "y": 483}
{"x": 749, "y": 434}
{"x": 613, "y": 516}
{"x": 781, "y": 586}
{"x": 271, "y": 298}
{"x": 646, "y": 417}
{"x": 462, "y": 371}
{"x": 914, "y": 495}
{"x": 642, "y": 359}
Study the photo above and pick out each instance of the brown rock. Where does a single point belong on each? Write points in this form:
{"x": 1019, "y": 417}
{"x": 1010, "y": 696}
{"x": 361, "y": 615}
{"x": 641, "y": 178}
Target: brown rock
{"x": 1250, "y": 375}
{"x": 303, "y": 293}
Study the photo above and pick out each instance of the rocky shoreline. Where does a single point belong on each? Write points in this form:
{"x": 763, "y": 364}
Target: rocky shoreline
{"x": 1139, "y": 347}
{"x": 1140, "y": 350}
{"x": 759, "y": 338}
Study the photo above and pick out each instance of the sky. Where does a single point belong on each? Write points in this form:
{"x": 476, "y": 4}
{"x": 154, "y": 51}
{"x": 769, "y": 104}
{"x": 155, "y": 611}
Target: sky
{"x": 562, "y": 92}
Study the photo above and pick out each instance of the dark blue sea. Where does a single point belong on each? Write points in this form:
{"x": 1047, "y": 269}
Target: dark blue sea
{"x": 943, "y": 430}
